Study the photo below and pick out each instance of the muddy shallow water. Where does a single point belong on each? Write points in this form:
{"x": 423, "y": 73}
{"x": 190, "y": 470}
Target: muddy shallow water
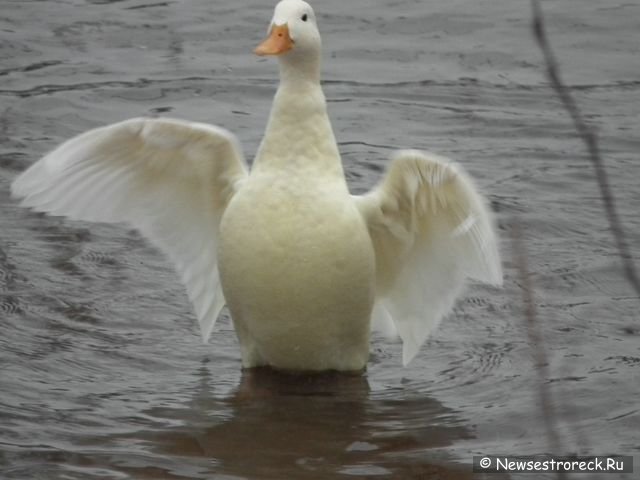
{"x": 102, "y": 372}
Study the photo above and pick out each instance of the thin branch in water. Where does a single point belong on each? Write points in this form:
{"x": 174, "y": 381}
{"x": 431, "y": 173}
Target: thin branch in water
{"x": 534, "y": 336}
{"x": 590, "y": 139}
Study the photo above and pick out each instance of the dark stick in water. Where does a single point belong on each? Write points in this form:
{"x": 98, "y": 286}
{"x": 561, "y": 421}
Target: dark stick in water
{"x": 534, "y": 336}
{"x": 590, "y": 139}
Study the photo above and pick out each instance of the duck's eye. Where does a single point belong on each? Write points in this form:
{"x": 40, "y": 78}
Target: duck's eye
{"x": 304, "y": 17}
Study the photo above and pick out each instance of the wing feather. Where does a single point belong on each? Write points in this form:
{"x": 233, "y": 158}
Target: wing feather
{"x": 168, "y": 178}
{"x": 431, "y": 229}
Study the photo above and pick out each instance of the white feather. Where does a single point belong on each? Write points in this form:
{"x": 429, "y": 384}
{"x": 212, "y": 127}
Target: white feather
{"x": 170, "y": 179}
{"x": 431, "y": 229}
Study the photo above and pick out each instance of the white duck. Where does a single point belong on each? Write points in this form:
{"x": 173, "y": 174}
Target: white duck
{"x": 299, "y": 261}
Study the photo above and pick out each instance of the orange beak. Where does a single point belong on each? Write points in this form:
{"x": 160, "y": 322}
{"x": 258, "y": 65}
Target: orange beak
{"x": 278, "y": 42}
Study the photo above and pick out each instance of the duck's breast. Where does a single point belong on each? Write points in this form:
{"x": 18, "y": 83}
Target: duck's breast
{"x": 297, "y": 268}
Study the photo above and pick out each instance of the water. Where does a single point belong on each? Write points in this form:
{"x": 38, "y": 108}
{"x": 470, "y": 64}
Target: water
{"x": 102, "y": 373}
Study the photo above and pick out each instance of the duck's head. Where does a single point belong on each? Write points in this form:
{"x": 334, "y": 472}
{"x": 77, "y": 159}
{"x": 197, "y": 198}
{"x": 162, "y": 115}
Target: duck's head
{"x": 293, "y": 32}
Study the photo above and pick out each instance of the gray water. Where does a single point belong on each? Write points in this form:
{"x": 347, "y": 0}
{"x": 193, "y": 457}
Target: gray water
{"x": 102, "y": 372}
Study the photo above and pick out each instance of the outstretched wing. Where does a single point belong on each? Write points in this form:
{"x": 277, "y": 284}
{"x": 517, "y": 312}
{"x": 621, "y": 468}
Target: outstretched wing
{"x": 430, "y": 229}
{"x": 170, "y": 179}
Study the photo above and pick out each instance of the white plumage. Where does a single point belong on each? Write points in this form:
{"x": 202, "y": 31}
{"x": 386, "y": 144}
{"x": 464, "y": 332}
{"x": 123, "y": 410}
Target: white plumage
{"x": 170, "y": 179}
{"x": 302, "y": 263}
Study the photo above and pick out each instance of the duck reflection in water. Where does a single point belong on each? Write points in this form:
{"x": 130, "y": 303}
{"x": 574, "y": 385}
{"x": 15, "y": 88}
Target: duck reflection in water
{"x": 321, "y": 426}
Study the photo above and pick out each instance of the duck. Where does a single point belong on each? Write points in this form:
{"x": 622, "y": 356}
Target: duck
{"x": 306, "y": 269}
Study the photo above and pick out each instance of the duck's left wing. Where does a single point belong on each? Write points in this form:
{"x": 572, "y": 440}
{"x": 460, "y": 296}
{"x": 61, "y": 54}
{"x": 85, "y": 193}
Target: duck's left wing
{"x": 170, "y": 179}
{"x": 430, "y": 229}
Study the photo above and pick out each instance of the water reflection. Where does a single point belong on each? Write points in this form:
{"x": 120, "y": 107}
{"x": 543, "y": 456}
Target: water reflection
{"x": 324, "y": 426}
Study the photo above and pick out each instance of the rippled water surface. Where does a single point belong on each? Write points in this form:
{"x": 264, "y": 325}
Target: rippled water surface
{"x": 102, "y": 372}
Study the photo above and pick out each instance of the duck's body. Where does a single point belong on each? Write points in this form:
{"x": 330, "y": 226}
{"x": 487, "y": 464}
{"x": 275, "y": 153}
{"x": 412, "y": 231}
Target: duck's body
{"x": 301, "y": 287}
{"x": 300, "y": 262}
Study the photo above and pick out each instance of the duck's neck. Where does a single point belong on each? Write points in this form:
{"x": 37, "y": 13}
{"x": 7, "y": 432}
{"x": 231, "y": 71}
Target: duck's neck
{"x": 299, "y": 136}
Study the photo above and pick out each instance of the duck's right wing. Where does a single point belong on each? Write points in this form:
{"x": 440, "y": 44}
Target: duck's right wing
{"x": 430, "y": 229}
{"x": 170, "y": 179}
